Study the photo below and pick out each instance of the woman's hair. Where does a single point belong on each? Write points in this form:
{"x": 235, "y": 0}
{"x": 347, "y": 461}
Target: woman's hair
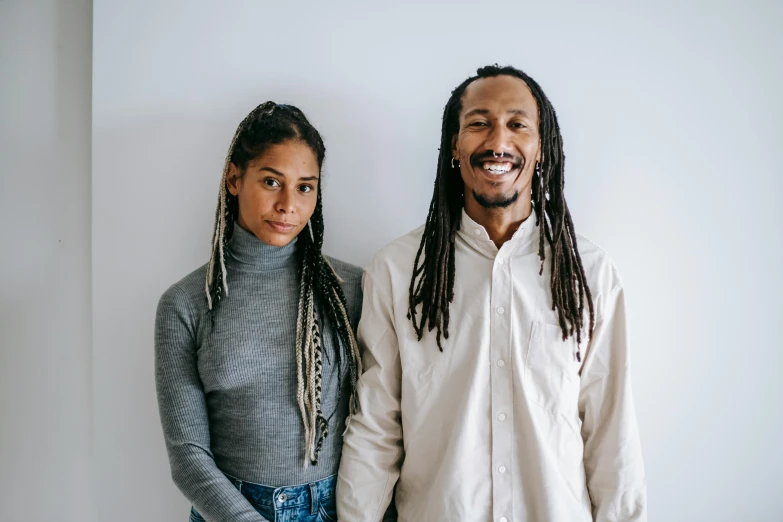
{"x": 320, "y": 293}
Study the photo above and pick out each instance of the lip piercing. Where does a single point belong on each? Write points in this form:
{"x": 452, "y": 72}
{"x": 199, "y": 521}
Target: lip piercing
{"x": 496, "y": 155}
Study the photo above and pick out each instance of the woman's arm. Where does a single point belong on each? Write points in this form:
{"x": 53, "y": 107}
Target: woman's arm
{"x": 183, "y": 413}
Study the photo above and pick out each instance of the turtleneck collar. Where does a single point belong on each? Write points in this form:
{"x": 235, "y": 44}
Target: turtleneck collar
{"x": 247, "y": 252}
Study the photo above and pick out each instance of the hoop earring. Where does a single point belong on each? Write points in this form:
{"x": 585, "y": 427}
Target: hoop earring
{"x": 452, "y": 163}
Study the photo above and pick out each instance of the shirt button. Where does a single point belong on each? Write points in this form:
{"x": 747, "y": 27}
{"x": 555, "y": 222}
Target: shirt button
{"x": 502, "y": 417}
{"x": 501, "y": 310}
{"x": 500, "y": 261}
{"x": 503, "y": 519}
{"x": 282, "y": 497}
{"x": 501, "y": 363}
{"x": 477, "y": 232}
{"x": 502, "y": 469}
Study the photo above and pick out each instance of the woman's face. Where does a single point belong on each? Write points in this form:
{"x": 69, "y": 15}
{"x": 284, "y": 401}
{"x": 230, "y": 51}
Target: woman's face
{"x": 277, "y": 192}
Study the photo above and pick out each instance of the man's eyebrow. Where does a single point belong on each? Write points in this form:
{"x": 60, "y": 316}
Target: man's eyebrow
{"x": 476, "y": 111}
{"x": 520, "y": 112}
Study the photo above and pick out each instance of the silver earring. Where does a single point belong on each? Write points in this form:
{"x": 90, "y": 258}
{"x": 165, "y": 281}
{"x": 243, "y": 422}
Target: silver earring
{"x": 496, "y": 155}
{"x": 452, "y": 163}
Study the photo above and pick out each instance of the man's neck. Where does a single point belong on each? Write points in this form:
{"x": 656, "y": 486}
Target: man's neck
{"x": 500, "y": 223}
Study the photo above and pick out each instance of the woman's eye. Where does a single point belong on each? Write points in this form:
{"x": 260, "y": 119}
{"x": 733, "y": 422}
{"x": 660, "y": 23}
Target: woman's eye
{"x": 306, "y": 188}
{"x": 271, "y": 182}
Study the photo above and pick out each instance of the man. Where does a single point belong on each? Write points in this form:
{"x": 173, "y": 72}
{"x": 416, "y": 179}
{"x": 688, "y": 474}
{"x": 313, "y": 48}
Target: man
{"x": 496, "y": 382}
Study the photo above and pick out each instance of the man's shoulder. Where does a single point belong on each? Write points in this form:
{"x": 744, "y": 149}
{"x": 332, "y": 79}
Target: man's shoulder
{"x": 395, "y": 260}
{"x": 603, "y": 278}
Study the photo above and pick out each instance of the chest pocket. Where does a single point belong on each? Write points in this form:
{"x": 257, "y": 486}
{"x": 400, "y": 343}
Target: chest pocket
{"x": 551, "y": 370}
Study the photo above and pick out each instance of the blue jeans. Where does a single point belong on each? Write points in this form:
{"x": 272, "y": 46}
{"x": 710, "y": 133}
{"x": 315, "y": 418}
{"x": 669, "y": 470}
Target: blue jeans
{"x": 312, "y": 502}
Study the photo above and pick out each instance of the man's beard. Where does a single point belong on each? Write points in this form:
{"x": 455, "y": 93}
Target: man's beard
{"x": 497, "y": 202}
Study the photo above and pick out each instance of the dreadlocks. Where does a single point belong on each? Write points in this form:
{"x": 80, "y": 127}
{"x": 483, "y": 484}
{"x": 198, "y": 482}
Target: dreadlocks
{"x": 432, "y": 283}
{"x": 320, "y": 291}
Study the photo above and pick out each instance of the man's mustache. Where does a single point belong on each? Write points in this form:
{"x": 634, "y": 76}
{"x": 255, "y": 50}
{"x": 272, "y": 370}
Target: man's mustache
{"x": 477, "y": 159}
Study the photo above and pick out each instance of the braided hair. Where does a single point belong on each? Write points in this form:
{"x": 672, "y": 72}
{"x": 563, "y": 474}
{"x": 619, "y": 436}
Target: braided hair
{"x": 320, "y": 293}
{"x": 432, "y": 283}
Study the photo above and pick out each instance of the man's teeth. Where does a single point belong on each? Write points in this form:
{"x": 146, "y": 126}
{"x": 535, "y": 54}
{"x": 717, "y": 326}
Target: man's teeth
{"x": 497, "y": 168}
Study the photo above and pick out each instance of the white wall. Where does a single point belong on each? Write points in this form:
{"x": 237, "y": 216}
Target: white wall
{"x": 671, "y": 117}
{"x": 45, "y": 332}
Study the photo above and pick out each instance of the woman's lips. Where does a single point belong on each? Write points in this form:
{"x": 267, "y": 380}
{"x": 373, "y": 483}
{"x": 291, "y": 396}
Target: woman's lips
{"x": 281, "y": 227}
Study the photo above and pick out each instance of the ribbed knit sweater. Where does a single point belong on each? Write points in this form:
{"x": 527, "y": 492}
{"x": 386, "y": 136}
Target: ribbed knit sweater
{"x": 227, "y": 392}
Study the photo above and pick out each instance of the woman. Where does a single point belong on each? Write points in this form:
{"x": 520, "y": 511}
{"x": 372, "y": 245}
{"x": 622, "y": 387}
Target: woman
{"x": 256, "y": 361}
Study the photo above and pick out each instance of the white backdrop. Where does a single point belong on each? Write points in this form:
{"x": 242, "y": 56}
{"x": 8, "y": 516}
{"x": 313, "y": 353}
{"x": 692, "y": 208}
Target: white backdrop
{"x": 45, "y": 355}
{"x": 671, "y": 119}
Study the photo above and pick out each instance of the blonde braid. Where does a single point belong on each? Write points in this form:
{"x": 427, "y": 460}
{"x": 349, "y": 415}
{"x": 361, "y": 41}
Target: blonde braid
{"x": 310, "y": 351}
{"x": 307, "y": 377}
{"x": 219, "y": 229}
{"x": 321, "y": 422}
{"x": 300, "y": 370}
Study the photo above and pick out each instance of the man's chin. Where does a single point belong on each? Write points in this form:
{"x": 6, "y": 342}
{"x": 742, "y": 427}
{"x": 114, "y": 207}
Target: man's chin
{"x": 492, "y": 201}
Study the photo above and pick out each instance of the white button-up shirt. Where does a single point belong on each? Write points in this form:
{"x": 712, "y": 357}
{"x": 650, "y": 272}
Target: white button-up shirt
{"x": 504, "y": 425}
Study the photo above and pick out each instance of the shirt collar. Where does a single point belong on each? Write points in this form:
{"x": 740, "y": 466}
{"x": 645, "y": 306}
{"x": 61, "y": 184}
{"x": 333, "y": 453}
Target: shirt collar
{"x": 523, "y": 241}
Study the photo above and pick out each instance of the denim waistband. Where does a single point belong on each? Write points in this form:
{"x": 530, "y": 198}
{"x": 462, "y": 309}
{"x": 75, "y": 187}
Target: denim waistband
{"x": 307, "y": 496}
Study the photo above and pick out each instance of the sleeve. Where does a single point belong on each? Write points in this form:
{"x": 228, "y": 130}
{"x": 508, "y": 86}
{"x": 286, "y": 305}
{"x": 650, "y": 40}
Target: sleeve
{"x": 372, "y": 449}
{"x": 183, "y": 413}
{"x": 612, "y": 453}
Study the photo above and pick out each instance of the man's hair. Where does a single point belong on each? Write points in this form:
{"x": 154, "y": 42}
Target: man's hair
{"x": 320, "y": 292}
{"x": 432, "y": 282}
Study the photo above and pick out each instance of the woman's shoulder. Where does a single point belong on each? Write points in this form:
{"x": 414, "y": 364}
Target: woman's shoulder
{"x": 188, "y": 292}
{"x": 350, "y": 274}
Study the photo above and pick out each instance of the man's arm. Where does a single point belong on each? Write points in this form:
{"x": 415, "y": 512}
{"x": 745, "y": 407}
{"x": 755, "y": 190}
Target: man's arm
{"x": 372, "y": 449}
{"x": 612, "y": 453}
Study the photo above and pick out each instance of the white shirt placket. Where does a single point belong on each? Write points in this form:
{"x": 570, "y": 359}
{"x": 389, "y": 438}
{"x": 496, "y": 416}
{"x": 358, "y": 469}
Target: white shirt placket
{"x": 501, "y": 383}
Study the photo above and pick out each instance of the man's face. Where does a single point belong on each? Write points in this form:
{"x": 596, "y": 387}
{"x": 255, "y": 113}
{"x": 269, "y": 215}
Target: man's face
{"x": 499, "y": 117}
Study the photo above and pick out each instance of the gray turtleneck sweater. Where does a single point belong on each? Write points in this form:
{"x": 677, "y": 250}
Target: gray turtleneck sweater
{"x": 227, "y": 393}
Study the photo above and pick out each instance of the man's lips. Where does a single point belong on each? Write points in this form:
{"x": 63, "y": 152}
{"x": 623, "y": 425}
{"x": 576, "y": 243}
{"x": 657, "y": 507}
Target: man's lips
{"x": 496, "y": 166}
